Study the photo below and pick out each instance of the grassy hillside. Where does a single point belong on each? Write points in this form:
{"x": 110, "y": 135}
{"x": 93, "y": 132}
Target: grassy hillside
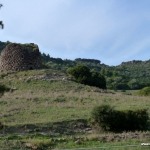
{"x": 45, "y": 109}
{"x": 130, "y": 75}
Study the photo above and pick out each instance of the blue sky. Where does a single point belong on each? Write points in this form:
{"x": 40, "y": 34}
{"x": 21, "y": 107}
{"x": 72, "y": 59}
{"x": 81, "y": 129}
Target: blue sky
{"x": 112, "y": 31}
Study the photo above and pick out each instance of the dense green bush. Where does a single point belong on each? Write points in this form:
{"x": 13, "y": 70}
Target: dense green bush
{"x": 121, "y": 86}
{"x": 1, "y": 126}
{"x": 83, "y": 75}
{"x": 80, "y": 73}
{"x": 97, "y": 80}
{"x": 113, "y": 120}
{"x": 3, "y": 88}
{"x": 102, "y": 116}
{"x": 145, "y": 91}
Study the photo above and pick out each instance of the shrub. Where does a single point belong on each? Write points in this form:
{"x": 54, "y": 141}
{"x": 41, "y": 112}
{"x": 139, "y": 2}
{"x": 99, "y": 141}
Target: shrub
{"x": 80, "y": 73}
{"x": 1, "y": 126}
{"x": 102, "y": 116}
{"x": 83, "y": 75}
{"x": 3, "y": 88}
{"x": 114, "y": 120}
{"x": 122, "y": 86}
{"x": 97, "y": 80}
{"x": 145, "y": 91}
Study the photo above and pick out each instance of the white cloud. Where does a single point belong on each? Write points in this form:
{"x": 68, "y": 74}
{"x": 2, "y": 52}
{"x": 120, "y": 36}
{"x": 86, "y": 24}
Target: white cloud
{"x": 102, "y": 29}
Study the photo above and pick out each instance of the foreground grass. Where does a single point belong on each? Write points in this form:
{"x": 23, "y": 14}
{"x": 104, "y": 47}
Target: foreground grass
{"x": 41, "y": 101}
{"x": 40, "y": 142}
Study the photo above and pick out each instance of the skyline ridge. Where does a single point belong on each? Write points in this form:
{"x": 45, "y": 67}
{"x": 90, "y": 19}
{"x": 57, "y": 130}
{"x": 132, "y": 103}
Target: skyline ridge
{"x": 108, "y": 30}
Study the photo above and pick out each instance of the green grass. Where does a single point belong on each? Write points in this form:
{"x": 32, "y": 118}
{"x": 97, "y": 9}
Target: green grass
{"x": 41, "y": 99}
{"x": 144, "y": 92}
{"x": 41, "y": 142}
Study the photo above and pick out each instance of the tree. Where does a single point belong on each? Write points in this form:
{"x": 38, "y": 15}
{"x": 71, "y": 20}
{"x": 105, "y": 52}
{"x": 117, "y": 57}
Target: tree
{"x": 134, "y": 84}
{"x": 1, "y": 22}
{"x": 97, "y": 80}
{"x": 83, "y": 75}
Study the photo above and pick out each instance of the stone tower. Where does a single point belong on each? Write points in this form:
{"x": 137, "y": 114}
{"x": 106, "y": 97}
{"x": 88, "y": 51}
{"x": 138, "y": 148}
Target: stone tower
{"x": 17, "y": 57}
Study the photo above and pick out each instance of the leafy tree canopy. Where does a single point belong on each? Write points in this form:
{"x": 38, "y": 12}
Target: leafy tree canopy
{"x": 83, "y": 75}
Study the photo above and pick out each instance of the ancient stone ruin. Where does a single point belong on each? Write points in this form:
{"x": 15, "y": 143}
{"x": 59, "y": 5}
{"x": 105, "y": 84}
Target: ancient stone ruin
{"x": 17, "y": 57}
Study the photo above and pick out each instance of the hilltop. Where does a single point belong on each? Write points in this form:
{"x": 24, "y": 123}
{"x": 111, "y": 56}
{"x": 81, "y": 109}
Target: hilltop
{"x": 130, "y": 75}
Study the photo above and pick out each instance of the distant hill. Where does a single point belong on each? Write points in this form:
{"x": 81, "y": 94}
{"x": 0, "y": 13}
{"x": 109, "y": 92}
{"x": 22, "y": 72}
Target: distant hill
{"x": 129, "y": 75}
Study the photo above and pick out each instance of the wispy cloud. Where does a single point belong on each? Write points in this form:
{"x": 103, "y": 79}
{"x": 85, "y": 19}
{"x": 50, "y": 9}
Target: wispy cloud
{"x": 110, "y": 30}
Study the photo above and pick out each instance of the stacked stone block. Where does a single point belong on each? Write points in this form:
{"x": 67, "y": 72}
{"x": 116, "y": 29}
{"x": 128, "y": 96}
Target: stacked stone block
{"x": 17, "y": 57}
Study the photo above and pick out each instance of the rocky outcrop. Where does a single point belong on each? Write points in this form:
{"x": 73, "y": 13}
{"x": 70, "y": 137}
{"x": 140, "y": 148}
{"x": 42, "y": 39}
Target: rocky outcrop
{"x": 17, "y": 57}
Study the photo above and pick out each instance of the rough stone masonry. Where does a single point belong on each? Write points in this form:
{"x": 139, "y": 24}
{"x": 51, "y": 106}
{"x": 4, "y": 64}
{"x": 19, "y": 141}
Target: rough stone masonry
{"x": 18, "y": 57}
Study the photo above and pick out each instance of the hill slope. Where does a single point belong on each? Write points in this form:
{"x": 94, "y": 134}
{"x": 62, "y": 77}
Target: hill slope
{"x": 129, "y": 75}
{"x": 43, "y": 108}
